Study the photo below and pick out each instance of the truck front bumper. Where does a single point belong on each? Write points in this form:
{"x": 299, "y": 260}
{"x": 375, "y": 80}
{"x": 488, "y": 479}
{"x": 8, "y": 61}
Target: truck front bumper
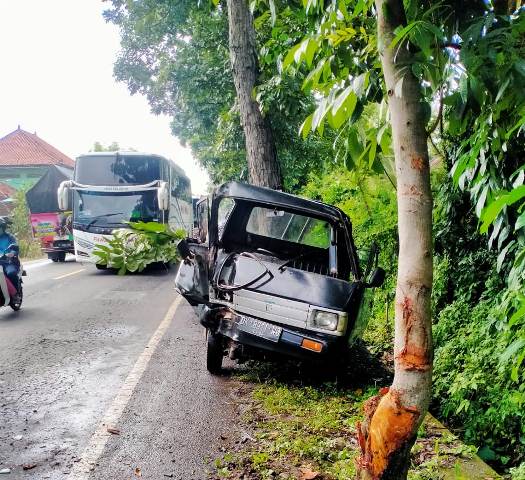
{"x": 273, "y": 337}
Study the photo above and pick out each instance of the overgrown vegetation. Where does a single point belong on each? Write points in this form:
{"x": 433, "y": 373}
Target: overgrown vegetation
{"x": 143, "y": 243}
{"x": 307, "y": 430}
{"x": 473, "y": 387}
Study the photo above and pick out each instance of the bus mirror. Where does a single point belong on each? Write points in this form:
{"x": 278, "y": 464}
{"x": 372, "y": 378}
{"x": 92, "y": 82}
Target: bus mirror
{"x": 184, "y": 250}
{"x": 163, "y": 196}
{"x": 377, "y": 278}
{"x": 63, "y": 194}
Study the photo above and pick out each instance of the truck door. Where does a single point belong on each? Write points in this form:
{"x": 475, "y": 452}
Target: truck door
{"x": 191, "y": 280}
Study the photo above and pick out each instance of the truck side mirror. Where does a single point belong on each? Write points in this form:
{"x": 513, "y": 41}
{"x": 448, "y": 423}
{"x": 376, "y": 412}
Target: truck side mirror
{"x": 163, "y": 196}
{"x": 377, "y": 278}
{"x": 63, "y": 195}
{"x": 184, "y": 249}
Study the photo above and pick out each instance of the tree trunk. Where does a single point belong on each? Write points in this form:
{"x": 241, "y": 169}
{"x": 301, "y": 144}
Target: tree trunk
{"x": 263, "y": 167}
{"x": 388, "y": 432}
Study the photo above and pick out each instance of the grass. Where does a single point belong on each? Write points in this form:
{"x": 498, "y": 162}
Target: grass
{"x": 307, "y": 430}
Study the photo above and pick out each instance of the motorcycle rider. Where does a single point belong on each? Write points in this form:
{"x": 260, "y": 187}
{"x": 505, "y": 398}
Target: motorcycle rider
{"x": 10, "y": 264}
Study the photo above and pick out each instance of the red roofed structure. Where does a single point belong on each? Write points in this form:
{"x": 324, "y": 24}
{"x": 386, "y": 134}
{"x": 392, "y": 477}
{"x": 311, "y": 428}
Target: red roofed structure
{"x": 25, "y": 157}
{"x": 6, "y": 199}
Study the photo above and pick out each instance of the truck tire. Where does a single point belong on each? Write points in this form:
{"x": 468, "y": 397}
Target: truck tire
{"x": 53, "y": 257}
{"x": 214, "y": 353}
{"x": 100, "y": 267}
{"x": 61, "y": 256}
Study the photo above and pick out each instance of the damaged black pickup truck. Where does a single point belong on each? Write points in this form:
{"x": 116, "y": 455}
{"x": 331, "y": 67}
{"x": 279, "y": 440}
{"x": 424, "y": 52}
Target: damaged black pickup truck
{"x": 275, "y": 272}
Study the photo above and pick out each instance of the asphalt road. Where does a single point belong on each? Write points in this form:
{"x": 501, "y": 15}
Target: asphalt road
{"x": 92, "y": 351}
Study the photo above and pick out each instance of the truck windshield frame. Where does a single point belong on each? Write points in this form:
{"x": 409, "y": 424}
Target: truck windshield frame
{"x": 289, "y": 226}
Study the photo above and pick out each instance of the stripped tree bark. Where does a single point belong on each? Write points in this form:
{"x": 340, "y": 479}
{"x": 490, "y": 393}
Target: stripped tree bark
{"x": 388, "y": 432}
{"x": 261, "y": 154}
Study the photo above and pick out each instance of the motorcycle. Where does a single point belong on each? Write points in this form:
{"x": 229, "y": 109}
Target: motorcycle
{"x": 8, "y": 292}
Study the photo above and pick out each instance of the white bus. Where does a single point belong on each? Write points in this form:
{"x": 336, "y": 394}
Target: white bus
{"x": 111, "y": 188}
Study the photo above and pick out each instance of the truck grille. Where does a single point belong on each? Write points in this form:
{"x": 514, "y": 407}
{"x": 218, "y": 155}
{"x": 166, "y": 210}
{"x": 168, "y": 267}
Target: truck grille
{"x": 269, "y": 307}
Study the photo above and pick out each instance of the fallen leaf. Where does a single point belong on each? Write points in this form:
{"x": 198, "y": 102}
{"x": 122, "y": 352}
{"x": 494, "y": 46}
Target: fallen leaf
{"x": 28, "y": 466}
{"x": 138, "y": 472}
{"x": 308, "y": 474}
{"x": 114, "y": 431}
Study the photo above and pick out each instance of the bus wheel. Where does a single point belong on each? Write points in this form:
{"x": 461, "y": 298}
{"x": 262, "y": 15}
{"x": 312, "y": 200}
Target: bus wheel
{"x": 214, "y": 353}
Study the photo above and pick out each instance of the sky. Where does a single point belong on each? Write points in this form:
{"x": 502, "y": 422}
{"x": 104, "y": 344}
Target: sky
{"x": 56, "y": 79}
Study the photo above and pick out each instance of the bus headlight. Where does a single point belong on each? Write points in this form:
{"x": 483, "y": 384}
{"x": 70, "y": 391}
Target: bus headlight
{"x": 330, "y": 321}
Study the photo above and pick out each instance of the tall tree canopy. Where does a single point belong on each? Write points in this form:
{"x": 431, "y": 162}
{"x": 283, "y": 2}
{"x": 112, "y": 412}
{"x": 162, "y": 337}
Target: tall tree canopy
{"x": 177, "y": 55}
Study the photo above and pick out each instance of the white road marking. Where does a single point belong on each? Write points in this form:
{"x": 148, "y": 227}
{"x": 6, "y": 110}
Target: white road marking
{"x": 69, "y": 274}
{"x": 91, "y": 454}
{"x": 31, "y": 264}
{"x": 35, "y": 264}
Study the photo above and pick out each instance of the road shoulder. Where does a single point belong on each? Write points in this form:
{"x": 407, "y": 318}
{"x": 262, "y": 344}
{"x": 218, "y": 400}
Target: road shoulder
{"x": 177, "y": 414}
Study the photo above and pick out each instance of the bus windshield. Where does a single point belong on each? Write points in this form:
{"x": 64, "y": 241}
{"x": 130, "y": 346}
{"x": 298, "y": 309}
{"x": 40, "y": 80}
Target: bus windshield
{"x": 117, "y": 169}
{"x": 96, "y": 209}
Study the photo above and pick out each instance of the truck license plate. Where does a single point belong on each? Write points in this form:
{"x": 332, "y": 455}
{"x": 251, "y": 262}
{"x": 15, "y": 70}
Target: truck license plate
{"x": 259, "y": 328}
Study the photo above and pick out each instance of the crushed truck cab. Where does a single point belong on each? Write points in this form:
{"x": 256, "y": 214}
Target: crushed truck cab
{"x": 274, "y": 272}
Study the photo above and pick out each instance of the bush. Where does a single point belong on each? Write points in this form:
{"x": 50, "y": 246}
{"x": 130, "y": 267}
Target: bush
{"x": 473, "y": 386}
{"x": 370, "y": 203}
{"x": 475, "y": 389}
{"x": 21, "y": 228}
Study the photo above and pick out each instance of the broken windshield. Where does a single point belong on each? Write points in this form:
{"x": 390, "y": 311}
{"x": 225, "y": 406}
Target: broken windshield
{"x": 288, "y": 226}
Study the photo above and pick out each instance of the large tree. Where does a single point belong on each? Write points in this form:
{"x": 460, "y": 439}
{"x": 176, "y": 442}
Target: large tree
{"x": 177, "y": 55}
{"x": 261, "y": 153}
{"x": 389, "y": 431}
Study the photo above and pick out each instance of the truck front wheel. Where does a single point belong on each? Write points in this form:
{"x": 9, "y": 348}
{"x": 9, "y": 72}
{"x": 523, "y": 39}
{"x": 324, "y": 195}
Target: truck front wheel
{"x": 214, "y": 353}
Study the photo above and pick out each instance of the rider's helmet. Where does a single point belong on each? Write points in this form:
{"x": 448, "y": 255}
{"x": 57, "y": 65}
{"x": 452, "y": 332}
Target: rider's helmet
{"x": 5, "y": 223}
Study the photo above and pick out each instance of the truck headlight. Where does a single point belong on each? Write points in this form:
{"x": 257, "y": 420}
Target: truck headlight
{"x": 325, "y": 320}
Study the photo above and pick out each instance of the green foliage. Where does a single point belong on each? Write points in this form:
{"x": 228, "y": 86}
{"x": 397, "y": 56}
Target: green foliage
{"x": 195, "y": 85}
{"x": 488, "y": 113}
{"x": 473, "y": 388}
{"x": 133, "y": 249}
{"x": 370, "y": 203}
{"x": 21, "y": 227}
{"x": 518, "y": 473}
